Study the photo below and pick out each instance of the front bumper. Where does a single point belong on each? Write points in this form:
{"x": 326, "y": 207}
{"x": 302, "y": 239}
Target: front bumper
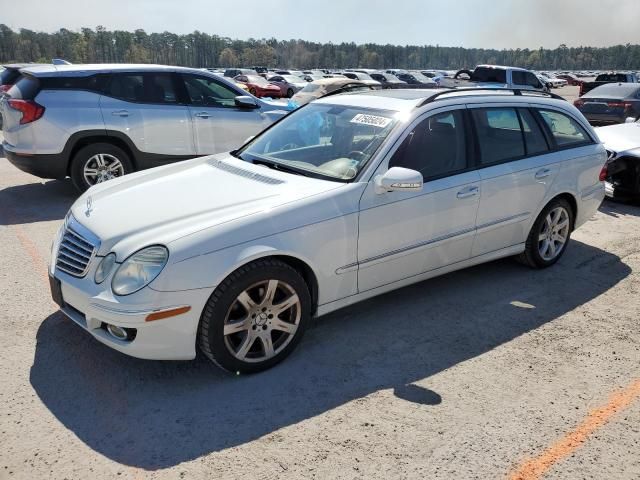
{"x": 171, "y": 338}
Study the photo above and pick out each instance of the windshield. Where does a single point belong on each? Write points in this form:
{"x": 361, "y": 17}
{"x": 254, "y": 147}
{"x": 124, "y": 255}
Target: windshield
{"x": 329, "y": 141}
{"x": 293, "y": 78}
{"x": 611, "y": 77}
{"x": 257, "y": 80}
{"x": 310, "y": 87}
{"x": 420, "y": 77}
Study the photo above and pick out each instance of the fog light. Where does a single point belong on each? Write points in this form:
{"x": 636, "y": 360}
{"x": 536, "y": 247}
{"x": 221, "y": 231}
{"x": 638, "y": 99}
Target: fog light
{"x": 117, "y": 332}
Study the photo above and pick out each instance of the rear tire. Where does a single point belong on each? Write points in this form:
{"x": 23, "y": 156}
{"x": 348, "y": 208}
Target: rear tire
{"x": 253, "y": 92}
{"x": 549, "y": 235}
{"x": 290, "y": 93}
{"x": 256, "y": 317}
{"x": 98, "y": 162}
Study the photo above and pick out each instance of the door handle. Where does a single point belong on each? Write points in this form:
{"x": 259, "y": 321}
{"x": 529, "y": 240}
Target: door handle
{"x": 202, "y": 115}
{"x": 120, "y": 113}
{"x": 545, "y": 172}
{"x": 468, "y": 192}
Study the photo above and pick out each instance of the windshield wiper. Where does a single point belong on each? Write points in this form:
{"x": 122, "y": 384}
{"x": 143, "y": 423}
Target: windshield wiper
{"x": 278, "y": 166}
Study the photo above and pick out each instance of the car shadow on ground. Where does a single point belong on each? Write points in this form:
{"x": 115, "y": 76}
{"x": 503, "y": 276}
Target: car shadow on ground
{"x": 617, "y": 208}
{"x": 36, "y": 202}
{"x": 155, "y": 415}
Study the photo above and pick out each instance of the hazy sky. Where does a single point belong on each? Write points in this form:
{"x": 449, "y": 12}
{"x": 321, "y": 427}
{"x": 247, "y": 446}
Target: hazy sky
{"x": 467, "y": 23}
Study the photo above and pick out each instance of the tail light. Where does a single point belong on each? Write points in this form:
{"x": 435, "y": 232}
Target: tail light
{"x": 31, "y": 111}
{"x": 5, "y": 88}
{"x": 624, "y": 105}
{"x": 578, "y": 103}
{"x": 603, "y": 173}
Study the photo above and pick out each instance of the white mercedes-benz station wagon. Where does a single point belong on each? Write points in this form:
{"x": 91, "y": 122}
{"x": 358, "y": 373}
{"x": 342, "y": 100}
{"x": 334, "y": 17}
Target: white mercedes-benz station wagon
{"x": 346, "y": 198}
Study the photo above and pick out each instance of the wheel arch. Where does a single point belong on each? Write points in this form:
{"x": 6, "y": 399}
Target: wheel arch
{"x": 301, "y": 265}
{"x": 83, "y": 139}
{"x": 571, "y": 199}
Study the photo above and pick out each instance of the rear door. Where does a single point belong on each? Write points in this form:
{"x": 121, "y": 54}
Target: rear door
{"x": 517, "y": 168}
{"x": 218, "y": 124}
{"x": 144, "y": 107}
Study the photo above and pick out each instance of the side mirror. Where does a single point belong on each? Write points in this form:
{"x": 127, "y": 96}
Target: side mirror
{"x": 398, "y": 179}
{"x": 245, "y": 101}
{"x": 630, "y": 120}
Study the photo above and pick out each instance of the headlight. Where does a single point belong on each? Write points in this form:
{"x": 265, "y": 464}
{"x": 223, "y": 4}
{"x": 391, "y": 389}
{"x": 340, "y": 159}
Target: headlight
{"x": 104, "y": 269}
{"x": 139, "y": 270}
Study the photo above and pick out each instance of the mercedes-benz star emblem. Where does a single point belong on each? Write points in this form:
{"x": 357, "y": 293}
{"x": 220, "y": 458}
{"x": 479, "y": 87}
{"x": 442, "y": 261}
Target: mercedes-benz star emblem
{"x": 89, "y": 206}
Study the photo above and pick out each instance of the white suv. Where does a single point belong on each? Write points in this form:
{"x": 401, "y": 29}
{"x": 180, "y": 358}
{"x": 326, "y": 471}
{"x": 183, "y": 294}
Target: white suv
{"x": 97, "y": 122}
{"x": 346, "y": 198}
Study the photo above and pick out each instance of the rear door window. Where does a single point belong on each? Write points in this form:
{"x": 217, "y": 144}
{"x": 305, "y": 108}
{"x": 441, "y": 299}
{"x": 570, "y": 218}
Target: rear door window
{"x": 565, "y": 130}
{"x": 499, "y": 134}
{"x": 535, "y": 141}
{"x": 156, "y": 88}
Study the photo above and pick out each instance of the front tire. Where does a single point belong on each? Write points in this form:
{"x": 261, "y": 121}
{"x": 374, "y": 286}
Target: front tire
{"x": 97, "y": 163}
{"x": 256, "y": 317}
{"x": 549, "y": 235}
{"x": 290, "y": 93}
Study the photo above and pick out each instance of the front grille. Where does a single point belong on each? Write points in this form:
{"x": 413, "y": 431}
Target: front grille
{"x": 76, "y": 250}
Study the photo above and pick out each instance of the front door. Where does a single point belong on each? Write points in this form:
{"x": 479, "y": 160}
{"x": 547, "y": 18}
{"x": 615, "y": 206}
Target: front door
{"x": 404, "y": 234}
{"x": 219, "y": 125}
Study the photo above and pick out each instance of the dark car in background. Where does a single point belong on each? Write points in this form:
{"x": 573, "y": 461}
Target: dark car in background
{"x": 234, "y": 72}
{"x": 416, "y": 78}
{"x": 610, "y": 103}
{"x": 605, "y": 78}
{"x": 388, "y": 80}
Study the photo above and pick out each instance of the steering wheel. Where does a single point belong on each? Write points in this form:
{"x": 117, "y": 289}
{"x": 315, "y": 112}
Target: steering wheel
{"x": 356, "y": 154}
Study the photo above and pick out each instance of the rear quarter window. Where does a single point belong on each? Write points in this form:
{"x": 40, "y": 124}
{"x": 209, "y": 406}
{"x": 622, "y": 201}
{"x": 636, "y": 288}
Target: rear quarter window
{"x": 8, "y": 76}
{"x": 566, "y": 131}
{"x": 26, "y": 88}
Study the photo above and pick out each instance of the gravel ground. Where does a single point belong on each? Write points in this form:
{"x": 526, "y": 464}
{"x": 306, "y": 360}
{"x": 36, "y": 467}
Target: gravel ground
{"x": 463, "y": 376}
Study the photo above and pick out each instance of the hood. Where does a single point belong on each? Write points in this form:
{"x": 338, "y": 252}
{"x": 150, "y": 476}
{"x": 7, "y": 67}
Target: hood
{"x": 163, "y": 204}
{"x": 620, "y": 138}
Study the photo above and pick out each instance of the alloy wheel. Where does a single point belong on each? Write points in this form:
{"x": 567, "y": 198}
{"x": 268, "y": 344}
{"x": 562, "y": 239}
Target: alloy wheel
{"x": 554, "y": 233}
{"x": 102, "y": 167}
{"x": 262, "y": 321}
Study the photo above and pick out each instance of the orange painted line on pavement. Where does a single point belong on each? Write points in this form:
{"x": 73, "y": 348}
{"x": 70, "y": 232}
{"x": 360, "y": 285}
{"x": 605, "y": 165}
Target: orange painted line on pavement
{"x": 534, "y": 468}
{"x": 39, "y": 263}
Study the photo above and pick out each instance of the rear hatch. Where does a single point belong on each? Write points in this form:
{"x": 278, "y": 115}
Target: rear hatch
{"x": 8, "y": 78}
{"x": 18, "y": 108}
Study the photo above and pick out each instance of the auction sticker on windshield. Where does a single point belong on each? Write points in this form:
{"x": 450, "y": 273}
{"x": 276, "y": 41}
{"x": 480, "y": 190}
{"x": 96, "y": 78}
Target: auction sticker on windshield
{"x": 372, "y": 120}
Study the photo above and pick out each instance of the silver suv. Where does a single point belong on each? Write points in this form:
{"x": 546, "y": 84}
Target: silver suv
{"x": 97, "y": 122}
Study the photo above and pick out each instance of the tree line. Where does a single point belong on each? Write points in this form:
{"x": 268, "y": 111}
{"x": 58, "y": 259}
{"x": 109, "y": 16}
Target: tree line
{"x": 199, "y": 49}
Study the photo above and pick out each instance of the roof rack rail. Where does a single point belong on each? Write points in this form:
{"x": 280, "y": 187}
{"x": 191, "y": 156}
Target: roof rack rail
{"x": 516, "y": 92}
